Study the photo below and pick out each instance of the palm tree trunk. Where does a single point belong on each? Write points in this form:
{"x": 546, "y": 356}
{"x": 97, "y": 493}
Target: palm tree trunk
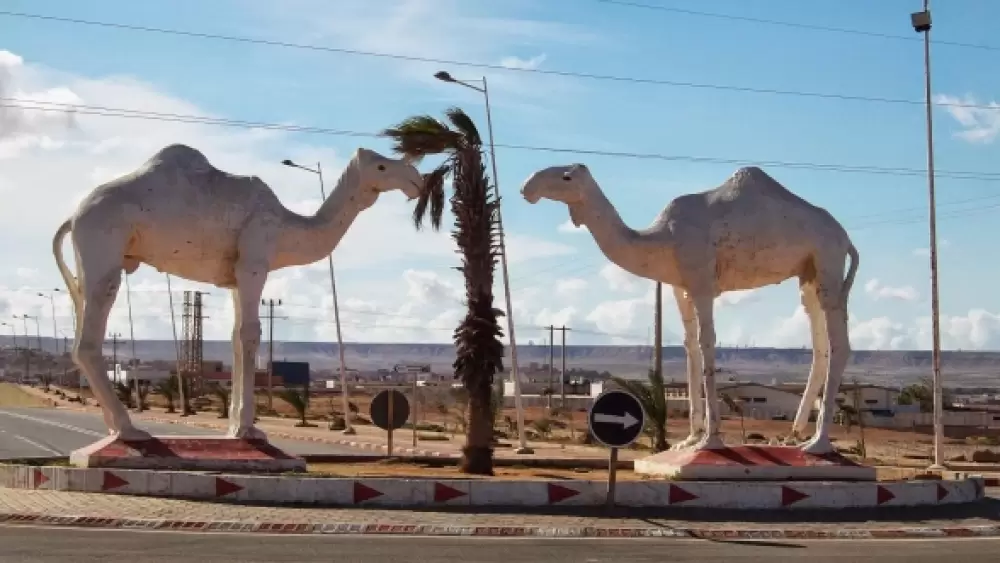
{"x": 477, "y": 455}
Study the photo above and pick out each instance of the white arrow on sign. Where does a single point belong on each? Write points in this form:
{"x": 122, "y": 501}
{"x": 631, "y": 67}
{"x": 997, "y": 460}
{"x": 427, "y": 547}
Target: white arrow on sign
{"x": 626, "y": 420}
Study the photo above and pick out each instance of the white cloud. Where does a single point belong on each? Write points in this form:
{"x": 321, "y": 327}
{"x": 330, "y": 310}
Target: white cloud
{"x": 979, "y": 124}
{"x": 569, "y": 227}
{"x": 925, "y": 252}
{"x": 531, "y": 63}
{"x": 570, "y": 287}
{"x": 879, "y": 291}
{"x": 733, "y": 298}
{"x": 618, "y": 279}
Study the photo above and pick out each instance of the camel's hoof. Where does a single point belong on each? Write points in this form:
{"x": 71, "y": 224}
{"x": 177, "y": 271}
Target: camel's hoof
{"x": 818, "y": 445}
{"x": 131, "y": 434}
{"x": 248, "y": 433}
{"x": 687, "y": 442}
{"x": 710, "y": 443}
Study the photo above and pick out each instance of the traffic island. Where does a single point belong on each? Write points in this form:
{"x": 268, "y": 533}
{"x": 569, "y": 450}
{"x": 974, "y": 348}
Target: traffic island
{"x": 197, "y": 453}
{"x": 416, "y": 492}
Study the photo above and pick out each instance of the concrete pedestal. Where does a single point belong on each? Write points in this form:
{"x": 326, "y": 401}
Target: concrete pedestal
{"x": 192, "y": 453}
{"x": 753, "y": 463}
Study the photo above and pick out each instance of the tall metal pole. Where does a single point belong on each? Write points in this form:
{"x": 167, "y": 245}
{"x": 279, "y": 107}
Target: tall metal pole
{"x": 524, "y": 449}
{"x": 55, "y": 329}
{"x": 562, "y": 377}
{"x": 552, "y": 367}
{"x": 345, "y": 397}
{"x": 922, "y": 24}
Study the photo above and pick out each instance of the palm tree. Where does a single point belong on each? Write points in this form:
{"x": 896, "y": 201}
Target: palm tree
{"x": 298, "y": 400}
{"x": 475, "y": 206}
{"x": 222, "y": 393}
{"x": 167, "y": 389}
{"x": 653, "y": 397}
{"x": 736, "y": 406}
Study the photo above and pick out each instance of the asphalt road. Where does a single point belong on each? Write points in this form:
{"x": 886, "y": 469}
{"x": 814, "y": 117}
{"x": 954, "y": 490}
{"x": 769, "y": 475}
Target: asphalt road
{"x": 36, "y": 432}
{"x": 41, "y": 545}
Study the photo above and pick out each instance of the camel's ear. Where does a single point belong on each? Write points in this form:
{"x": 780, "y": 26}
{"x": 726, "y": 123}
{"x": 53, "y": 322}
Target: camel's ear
{"x": 575, "y": 214}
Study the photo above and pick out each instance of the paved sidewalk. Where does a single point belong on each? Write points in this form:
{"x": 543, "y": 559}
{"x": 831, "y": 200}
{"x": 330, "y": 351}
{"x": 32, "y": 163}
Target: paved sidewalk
{"x": 118, "y": 511}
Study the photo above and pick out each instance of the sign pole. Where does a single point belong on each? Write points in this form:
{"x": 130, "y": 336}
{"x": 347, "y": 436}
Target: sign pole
{"x": 389, "y": 452}
{"x": 612, "y": 477}
{"x": 415, "y": 405}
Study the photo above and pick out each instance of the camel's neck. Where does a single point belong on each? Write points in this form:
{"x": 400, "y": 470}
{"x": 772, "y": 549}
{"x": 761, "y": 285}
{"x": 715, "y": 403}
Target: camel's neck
{"x": 642, "y": 253}
{"x": 305, "y": 240}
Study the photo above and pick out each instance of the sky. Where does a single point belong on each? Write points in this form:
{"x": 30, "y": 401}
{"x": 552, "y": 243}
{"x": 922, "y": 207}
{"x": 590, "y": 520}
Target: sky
{"x": 397, "y": 285}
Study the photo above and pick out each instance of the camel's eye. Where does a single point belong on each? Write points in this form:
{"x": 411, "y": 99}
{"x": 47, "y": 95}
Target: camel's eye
{"x": 566, "y": 178}
{"x": 381, "y": 167}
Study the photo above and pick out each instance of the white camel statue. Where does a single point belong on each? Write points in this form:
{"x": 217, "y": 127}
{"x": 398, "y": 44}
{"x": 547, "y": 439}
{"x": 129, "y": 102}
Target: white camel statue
{"x": 183, "y": 216}
{"x": 747, "y": 233}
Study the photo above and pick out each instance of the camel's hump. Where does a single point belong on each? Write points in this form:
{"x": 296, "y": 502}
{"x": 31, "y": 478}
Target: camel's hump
{"x": 181, "y": 156}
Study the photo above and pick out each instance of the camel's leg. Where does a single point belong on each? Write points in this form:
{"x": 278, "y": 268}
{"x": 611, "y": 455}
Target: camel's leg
{"x": 236, "y": 387}
{"x": 99, "y": 286}
{"x": 696, "y": 396}
{"x": 840, "y": 351}
{"x": 821, "y": 356}
{"x": 703, "y": 305}
{"x": 250, "y": 279}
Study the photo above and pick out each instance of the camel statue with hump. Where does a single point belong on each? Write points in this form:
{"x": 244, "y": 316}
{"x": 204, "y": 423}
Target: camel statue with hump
{"x": 182, "y": 216}
{"x": 746, "y": 233}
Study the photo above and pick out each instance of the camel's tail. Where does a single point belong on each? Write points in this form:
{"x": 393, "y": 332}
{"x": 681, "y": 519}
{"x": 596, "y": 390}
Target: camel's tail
{"x": 71, "y": 282}
{"x": 852, "y": 270}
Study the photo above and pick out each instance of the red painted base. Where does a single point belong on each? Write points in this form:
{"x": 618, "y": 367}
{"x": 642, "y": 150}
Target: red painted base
{"x": 758, "y": 463}
{"x": 193, "y": 453}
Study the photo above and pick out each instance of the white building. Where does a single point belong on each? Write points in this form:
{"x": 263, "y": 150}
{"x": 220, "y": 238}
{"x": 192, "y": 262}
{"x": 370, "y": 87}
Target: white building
{"x": 869, "y": 397}
{"x": 761, "y": 401}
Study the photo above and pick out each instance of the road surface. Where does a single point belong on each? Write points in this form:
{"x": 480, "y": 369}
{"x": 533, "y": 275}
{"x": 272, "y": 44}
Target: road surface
{"x": 37, "y": 432}
{"x": 41, "y": 545}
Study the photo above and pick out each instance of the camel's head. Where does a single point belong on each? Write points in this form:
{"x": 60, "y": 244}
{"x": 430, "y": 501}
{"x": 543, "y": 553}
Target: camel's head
{"x": 382, "y": 174}
{"x": 568, "y": 184}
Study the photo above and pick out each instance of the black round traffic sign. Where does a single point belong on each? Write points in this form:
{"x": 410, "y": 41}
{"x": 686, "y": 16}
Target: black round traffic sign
{"x": 382, "y": 408}
{"x": 616, "y": 418}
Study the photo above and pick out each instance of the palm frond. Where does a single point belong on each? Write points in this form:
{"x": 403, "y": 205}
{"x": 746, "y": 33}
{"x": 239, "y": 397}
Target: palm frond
{"x": 464, "y": 124}
{"x": 422, "y": 135}
{"x": 432, "y": 194}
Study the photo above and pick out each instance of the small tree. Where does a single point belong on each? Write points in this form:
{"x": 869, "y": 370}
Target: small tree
{"x": 653, "y": 397}
{"x": 168, "y": 390}
{"x": 223, "y": 395}
{"x": 298, "y": 400}
{"x": 736, "y": 406}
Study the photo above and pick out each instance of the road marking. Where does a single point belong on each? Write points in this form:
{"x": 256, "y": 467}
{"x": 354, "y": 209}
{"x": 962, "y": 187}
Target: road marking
{"x": 69, "y": 427}
{"x": 37, "y": 445}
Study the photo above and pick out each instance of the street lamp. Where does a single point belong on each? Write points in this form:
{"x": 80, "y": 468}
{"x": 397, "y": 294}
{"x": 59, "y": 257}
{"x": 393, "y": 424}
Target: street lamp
{"x": 484, "y": 90}
{"x": 348, "y": 427}
{"x": 13, "y": 332}
{"x": 921, "y": 22}
{"x": 55, "y": 329}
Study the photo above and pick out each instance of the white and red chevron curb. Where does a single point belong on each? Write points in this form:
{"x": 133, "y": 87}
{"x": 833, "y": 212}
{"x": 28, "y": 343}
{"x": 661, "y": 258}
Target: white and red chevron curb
{"x": 402, "y": 492}
{"x": 328, "y": 528}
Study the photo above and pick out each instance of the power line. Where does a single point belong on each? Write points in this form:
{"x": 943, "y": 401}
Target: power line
{"x": 799, "y": 25}
{"x": 104, "y": 111}
{"x": 488, "y": 66}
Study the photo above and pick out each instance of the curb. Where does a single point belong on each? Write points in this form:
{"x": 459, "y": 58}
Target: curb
{"x": 278, "y": 490}
{"x": 305, "y": 528}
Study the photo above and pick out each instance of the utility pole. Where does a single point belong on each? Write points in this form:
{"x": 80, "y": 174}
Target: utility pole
{"x": 562, "y": 381}
{"x": 270, "y": 303}
{"x": 551, "y": 385}
{"x": 658, "y": 333}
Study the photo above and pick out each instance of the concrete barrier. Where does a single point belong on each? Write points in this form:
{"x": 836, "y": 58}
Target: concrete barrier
{"x": 403, "y": 492}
